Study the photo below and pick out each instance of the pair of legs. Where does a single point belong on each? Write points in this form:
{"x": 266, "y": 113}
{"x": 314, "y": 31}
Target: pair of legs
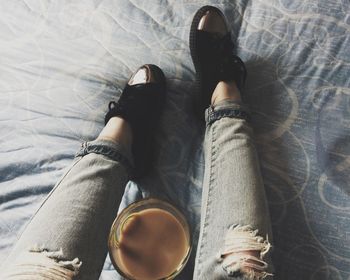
{"x": 67, "y": 237}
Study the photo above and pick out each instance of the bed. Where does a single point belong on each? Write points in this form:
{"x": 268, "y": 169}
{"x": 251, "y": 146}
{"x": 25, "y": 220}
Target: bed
{"x": 63, "y": 61}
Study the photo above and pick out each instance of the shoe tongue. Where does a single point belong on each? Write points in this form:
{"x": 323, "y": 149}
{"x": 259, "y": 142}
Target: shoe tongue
{"x": 215, "y": 43}
{"x": 142, "y": 101}
{"x": 220, "y": 49}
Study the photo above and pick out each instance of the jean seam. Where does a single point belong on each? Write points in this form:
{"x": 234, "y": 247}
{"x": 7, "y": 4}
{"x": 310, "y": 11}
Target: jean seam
{"x": 214, "y": 114}
{"x": 50, "y": 194}
{"x": 88, "y": 148}
{"x": 213, "y": 155}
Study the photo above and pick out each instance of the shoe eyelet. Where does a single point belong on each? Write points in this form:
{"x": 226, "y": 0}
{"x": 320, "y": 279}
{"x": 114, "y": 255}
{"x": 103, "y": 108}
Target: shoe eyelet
{"x": 112, "y": 105}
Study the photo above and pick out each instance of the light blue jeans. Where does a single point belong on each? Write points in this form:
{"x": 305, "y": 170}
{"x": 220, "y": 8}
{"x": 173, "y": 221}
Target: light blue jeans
{"x": 67, "y": 237}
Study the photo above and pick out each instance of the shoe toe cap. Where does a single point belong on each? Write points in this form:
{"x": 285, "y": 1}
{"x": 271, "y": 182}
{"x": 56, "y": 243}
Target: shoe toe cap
{"x": 147, "y": 73}
{"x": 213, "y": 21}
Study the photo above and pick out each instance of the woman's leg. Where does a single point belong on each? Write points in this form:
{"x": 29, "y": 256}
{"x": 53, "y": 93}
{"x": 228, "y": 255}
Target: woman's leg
{"x": 67, "y": 237}
{"x": 235, "y": 224}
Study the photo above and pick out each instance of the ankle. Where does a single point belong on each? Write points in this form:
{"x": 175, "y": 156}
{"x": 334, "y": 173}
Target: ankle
{"x": 225, "y": 91}
{"x": 117, "y": 130}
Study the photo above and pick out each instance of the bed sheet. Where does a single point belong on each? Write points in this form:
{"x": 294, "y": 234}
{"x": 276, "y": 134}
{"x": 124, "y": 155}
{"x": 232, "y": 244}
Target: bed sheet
{"x": 61, "y": 62}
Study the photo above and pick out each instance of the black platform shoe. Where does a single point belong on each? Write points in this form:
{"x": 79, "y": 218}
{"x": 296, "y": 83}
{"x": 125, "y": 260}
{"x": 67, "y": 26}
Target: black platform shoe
{"x": 141, "y": 104}
{"x": 211, "y": 49}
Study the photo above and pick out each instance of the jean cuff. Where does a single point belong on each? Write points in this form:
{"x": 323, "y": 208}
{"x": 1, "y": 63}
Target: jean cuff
{"x": 227, "y": 109}
{"x": 110, "y": 149}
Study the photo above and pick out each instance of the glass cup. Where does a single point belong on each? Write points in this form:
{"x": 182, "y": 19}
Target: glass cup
{"x": 127, "y": 215}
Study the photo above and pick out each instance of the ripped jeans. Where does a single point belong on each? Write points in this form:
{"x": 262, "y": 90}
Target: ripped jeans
{"x": 67, "y": 237}
{"x": 235, "y": 219}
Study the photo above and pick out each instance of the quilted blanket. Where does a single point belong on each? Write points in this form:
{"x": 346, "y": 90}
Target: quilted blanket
{"x": 61, "y": 62}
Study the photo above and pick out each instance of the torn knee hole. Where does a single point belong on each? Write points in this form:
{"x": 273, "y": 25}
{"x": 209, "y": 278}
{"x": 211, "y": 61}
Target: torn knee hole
{"x": 243, "y": 253}
{"x": 42, "y": 263}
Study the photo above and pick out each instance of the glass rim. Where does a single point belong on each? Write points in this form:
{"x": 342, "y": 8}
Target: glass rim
{"x": 180, "y": 217}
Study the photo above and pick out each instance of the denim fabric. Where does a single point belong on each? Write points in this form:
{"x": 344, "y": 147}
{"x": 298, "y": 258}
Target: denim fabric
{"x": 226, "y": 108}
{"x": 77, "y": 214}
{"x": 233, "y": 190}
{"x": 113, "y": 150}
